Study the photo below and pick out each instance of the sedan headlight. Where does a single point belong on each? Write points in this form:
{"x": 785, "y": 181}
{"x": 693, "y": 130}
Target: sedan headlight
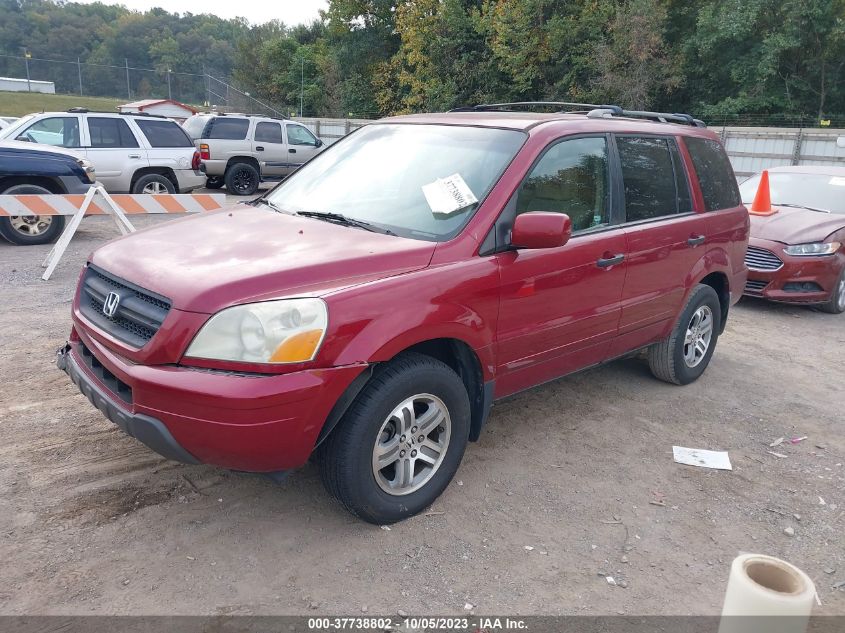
{"x": 88, "y": 168}
{"x": 285, "y": 331}
{"x": 808, "y": 250}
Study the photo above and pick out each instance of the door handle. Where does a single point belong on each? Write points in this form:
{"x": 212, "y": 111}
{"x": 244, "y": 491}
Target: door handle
{"x": 292, "y": 150}
{"x": 259, "y": 148}
{"x": 696, "y": 240}
{"x": 604, "y": 262}
{"x": 134, "y": 156}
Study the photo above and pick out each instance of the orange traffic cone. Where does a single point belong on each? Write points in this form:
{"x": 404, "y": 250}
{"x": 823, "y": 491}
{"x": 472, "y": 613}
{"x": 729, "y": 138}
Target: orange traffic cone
{"x": 762, "y": 204}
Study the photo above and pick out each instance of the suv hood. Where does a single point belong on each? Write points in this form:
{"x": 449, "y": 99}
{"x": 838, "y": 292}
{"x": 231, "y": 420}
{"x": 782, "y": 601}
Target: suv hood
{"x": 243, "y": 254}
{"x": 795, "y": 226}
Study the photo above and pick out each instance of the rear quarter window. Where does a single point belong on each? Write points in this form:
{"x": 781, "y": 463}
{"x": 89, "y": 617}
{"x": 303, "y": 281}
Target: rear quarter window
{"x": 715, "y": 174}
{"x": 226, "y": 128}
{"x": 164, "y": 134}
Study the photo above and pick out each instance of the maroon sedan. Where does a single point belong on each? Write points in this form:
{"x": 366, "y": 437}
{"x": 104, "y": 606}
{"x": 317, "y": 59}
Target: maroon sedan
{"x": 796, "y": 253}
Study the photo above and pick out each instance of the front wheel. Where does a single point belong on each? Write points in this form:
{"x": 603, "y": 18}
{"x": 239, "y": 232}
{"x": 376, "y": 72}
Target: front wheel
{"x": 836, "y": 303}
{"x": 31, "y": 230}
{"x": 683, "y": 357}
{"x": 400, "y": 443}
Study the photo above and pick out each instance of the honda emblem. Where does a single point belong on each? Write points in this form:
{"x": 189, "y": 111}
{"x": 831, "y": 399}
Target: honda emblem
{"x": 110, "y": 304}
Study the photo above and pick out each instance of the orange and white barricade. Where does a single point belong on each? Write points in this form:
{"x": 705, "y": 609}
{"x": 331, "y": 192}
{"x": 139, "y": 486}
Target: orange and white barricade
{"x": 98, "y": 202}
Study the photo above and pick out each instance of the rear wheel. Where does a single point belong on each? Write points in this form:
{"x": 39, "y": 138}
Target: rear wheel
{"x": 400, "y": 443}
{"x": 836, "y": 303}
{"x": 31, "y": 230}
{"x": 683, "y": 357}
{"x": 154, "y": 184}
{"x": 242, "y": 179}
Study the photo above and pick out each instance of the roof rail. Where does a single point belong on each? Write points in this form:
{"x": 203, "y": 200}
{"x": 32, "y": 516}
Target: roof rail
{"x": 593, "y": 111}
{"x": 80, "y": 110}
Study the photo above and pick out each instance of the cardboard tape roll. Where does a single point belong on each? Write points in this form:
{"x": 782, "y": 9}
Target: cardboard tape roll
{"x": 766, "y": 595}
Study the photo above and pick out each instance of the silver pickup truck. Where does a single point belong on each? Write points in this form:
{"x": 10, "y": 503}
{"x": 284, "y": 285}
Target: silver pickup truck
{"x": 241, "y": 150}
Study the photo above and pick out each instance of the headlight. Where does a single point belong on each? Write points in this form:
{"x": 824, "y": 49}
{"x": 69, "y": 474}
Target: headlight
{"x": 88, "y": 168}
{"x": 808, "y": 250}
{"x": 286, "y": 331}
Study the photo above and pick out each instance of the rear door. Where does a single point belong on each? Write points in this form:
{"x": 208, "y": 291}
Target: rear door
{"x": 168, "y": 144}
{"x": 270, "y": 149}
{"x": 302, "y": 144}
{"x": 664, "y": 237}
{"x": 116, "y": 153}
{"x": 560, "y": 307}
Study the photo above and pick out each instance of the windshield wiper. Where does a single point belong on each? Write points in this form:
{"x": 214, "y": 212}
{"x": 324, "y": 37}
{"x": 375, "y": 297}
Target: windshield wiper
{"x": 267, "y": 203}
{"x": 800, "y": 206}
{"x": 338, "y": 218}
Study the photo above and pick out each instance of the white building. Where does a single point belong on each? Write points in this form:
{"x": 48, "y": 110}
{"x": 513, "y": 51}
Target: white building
{"x": 162, "y": 107}
{"x": 14, "y": 84}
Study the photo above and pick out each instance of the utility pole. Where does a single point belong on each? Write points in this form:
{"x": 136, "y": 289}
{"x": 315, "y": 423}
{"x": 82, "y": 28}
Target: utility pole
{"x": 79, "y": 72}
{"x": 128, "y": 89}
{"x": 26, "y": 56}
{"x": 301, "y": 85}
{"x": 169, "y": 95}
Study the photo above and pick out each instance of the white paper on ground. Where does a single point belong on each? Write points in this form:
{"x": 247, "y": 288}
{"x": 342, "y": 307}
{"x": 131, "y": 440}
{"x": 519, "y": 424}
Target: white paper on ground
{"x": 701, "y": 457}
{"x": 447, "y": 195}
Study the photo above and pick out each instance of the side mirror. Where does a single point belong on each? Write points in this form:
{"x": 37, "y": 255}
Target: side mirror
{"x": 319, "y": 143}
{"x": 539, "y": 229}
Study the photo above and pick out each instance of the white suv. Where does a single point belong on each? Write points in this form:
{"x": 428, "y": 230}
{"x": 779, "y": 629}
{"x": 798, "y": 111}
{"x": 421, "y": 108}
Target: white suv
{"x": 134, "y": 153}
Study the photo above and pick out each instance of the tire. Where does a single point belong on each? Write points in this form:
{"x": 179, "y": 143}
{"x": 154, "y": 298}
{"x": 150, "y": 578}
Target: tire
{"x": 836, "y": 303}
{"x": 154, "y": 184}
{"x": 214, "y": 182}
{"x": 31, "y": 230}
{"x": 672, "y": 360}
{"x": 347, "y": 458}
{"x": 242, "y": 179}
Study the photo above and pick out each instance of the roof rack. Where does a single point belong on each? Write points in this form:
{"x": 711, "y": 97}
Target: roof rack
{"x": 592, "y": 111}
{"x": 79, "y": 110}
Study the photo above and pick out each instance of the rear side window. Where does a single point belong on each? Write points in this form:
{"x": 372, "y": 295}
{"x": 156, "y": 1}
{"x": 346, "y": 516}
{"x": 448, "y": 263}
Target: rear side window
{"x": 226, "y": 128}
{"x": 164, "y": 133}
{"x": 715, "y": 174}
{"x": 650, "y": 178}
{"x": 266, "y": 132}
{"x": 110, "y": 132}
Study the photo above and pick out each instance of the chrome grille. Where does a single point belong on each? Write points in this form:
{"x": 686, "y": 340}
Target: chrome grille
{"x": 139, "y": 314}
{"x": 755, "y": 285}
{"x": 761, "y": 259}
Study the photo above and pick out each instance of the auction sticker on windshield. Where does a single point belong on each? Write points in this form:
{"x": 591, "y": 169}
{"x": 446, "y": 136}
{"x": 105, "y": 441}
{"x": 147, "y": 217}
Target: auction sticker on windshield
{"x": 447, "y": 195}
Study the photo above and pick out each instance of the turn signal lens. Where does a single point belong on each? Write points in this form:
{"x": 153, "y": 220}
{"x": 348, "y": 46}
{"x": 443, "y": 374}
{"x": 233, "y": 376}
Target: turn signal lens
{"x": 297, "y": 348}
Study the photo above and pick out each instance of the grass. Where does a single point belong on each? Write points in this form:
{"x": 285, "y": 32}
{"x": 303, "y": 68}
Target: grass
{"x": 20, "y": 103}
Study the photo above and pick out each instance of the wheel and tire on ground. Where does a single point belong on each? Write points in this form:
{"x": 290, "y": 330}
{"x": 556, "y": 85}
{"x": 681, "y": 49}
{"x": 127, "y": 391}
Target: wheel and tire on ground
{"x": 683, "y": 357}
{"x": 836, "y": 303}
{"x": 242, "y": 179}
{"x": 154, "y": 184}
{"x": 400, "y": 442}
{"x": 30, "y": 230}
{"x": 214, "y": 182}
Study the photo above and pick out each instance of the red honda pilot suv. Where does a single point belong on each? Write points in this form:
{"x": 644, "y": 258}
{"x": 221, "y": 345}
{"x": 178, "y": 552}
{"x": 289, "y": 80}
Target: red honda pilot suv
{"x": 372, "y": 307}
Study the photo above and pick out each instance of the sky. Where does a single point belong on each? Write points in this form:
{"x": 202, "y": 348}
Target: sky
{"x": 256, "y": 11}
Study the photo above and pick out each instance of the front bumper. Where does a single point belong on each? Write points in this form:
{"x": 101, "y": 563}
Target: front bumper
{"x": 249, "y": 422}
{"x": 806, "y": 280}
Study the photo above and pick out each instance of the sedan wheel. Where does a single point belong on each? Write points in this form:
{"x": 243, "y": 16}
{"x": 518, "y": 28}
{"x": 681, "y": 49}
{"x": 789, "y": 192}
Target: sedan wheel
{"x": 30, "y": 230}
{"x": 836, "y": 303}
{"x": 31, "y": 225}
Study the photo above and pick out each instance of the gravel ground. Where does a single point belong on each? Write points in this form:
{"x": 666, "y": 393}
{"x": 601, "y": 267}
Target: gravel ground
{"x": 570, "y": 482}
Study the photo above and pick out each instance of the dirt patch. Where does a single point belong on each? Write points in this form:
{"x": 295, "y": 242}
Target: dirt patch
{"x": 556, "y": 495}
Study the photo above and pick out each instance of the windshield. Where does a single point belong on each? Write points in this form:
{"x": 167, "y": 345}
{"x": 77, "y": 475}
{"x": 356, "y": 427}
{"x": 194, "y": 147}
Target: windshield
{"x": 16, "y": 125}
{"x": 819, "y": 191}
{"x": 418, "y": 181}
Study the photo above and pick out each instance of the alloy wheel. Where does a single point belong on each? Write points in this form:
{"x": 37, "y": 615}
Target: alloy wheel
{"x": 154, "y": 188}
{"x": 840, "y": 293}
{"x": 31, "y": 225}
{"x": 411, "y": 444}
{"x": 698, "y": 336}
{"x": 243, "y": 180}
